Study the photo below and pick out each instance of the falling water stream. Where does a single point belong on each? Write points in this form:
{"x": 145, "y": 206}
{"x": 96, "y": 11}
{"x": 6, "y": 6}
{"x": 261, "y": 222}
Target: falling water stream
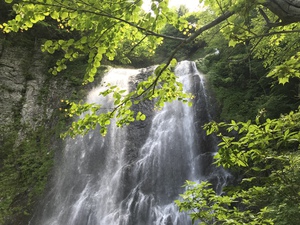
{"x": 133, "y": 175}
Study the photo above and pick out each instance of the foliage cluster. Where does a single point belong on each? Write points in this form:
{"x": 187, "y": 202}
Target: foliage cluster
{"x": 266, "y": 157}
{"x": 241, "y": 69}
{"x": 242, "y": 88}
{"x": 208, "y": 207}
{"x": 167, "y": 89}
{"x": 24, "y": 172}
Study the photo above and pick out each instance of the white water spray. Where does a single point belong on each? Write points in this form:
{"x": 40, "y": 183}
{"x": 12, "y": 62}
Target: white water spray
{"x": 104, "y": 181}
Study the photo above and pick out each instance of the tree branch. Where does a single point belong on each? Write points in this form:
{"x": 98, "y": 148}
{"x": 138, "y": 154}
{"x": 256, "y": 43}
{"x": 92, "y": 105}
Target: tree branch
{"x": 105, "y": 14}
{"x": 264, "y": 15}
{"x": 287, "y": 10}
{"x": 215, "y": 22}
{"x": 198, "y": 32}
{"x": 274, "y": 33}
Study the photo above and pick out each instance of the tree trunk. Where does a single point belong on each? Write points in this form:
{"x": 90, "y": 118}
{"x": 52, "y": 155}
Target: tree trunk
{"x": 287, "y": 10}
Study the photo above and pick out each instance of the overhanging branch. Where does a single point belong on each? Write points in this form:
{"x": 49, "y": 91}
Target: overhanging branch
{"x": 215, "y": 22}
{"x": 107, "y": 15}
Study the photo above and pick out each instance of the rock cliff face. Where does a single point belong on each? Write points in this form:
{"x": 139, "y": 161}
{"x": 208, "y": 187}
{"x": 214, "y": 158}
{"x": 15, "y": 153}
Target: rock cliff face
{"x": 23, "y": 75}
{"x": 29, "y": 127}
{"x": 27, "y": 88}
{"x": 12, "y": 83}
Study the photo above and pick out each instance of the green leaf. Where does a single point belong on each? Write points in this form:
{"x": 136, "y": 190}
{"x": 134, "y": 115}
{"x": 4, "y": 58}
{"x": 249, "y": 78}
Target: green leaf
{"x": 232, "y": 43}
{"x": 283, "y": 80}
{"x": 54, "y": 14}
{"x": 48, "y": 43}
{"x": 143, "y": 117}
{"x": 64, "y": 15}
{"x": 83, "y": 40}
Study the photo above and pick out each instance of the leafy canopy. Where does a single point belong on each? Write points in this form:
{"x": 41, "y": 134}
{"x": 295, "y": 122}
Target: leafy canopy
{"x": 99, "y": 29}
{"x": 104, "y": 27}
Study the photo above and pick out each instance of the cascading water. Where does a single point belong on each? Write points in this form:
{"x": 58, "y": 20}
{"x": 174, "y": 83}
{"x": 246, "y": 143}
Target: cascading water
{"x": 133, "y": 175}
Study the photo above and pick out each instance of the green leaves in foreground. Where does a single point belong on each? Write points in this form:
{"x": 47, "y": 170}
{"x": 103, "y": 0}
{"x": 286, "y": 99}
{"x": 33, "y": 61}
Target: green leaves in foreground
{"x": 93, "y": 29}
{"x": 265, "y": 157}
{"x": 245, "y": 144}
{"x": 206, "y": 207}
{"x": 287, "y": 70}
{"x": 161, "y": 87}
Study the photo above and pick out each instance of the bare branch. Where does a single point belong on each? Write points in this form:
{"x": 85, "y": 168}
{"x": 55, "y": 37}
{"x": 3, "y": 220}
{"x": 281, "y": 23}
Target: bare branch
{"x": 137, "y": 44}
{"x": 264, "y": 15}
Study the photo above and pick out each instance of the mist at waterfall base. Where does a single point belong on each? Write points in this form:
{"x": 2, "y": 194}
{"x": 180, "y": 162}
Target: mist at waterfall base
{"x": 133, "y": 175}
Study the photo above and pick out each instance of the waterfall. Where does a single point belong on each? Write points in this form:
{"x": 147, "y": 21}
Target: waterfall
{"x": 133, "y": 175}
